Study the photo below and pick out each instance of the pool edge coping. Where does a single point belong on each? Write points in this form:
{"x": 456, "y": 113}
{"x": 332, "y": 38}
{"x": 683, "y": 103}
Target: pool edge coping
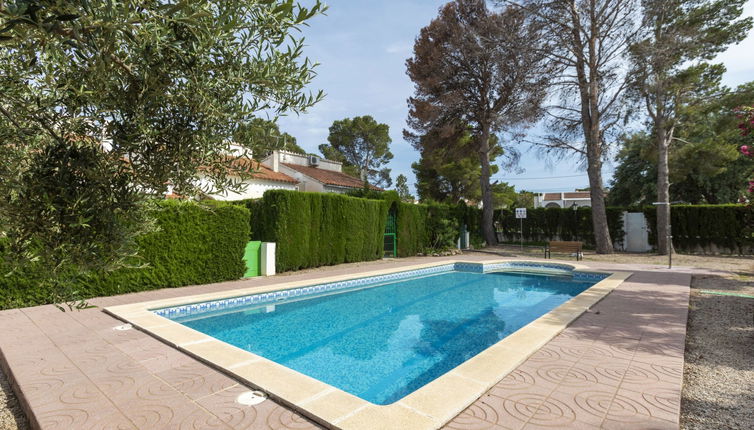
{"x": 429, "y": 407}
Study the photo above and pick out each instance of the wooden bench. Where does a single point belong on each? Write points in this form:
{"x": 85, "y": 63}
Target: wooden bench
{"x": 568, "y": 247}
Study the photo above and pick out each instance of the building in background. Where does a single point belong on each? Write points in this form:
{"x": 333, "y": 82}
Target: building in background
{"x": 261, "y": 179}
{"x": 567, "y": 199}
{"x": 313, "y": 173}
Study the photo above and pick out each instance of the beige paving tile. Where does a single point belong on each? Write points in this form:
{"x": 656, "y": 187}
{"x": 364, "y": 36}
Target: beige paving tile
{"x": 332, "y": 405}
{"x": 387, "y": 418}
{"x": 469, "y": 421}
{"x": 288, "y": 384}
{"x": 219, "y": 353}
{"x": 177, "y": 334}
{"x": 223, "y": 404}
{"x": 435, "y": 402}
{"x": 196, "y": 380}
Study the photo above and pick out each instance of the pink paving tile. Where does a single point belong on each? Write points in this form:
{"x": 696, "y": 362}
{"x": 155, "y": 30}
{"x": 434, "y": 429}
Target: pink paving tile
{"x": 198, "y": 383}
{"x": 553, "y": 413}
{"x": 145, "y": 348}
{"x": 196, "y": 380}
{"x": 223, "y": 404}
{"x": 552, "y": 354}
{"x": 171, "y": 415}
{"x": 590, "y": 405}
{"x": 283, "y": 418}
{"x": 90, "y": 416}
{"x": 481, "y": 415}
{"x": 641, "y": 376}
{"x": 170, "y": 359}
{"x": 509, "y": 413}
{"x": 467, "y": 421}
{"x": 606, "y": 372}
{"x": 660, "y": 403}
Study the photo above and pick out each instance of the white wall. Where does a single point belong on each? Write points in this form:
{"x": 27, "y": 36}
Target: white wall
{"x": 255, "y": 188}
{"x": 303, "y": 160}
{"x": 339, "y": 190}
{"x": 305, "y": 183}
{"x": 567, "y": 203}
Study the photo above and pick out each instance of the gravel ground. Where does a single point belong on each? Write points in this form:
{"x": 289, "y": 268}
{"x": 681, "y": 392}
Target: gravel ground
{"x": 718, "y": 389}
{"x": 11, "y": 417}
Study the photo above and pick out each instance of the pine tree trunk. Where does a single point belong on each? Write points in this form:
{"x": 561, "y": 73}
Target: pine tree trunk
{"x": 488, "y": 229}
{"x": 663, "y": 191}
{"x": 588, "y": 76}
{"x": 603, "y": 243}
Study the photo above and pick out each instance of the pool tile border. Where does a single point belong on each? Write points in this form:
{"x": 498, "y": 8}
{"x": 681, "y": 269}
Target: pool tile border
{"x": 321, "y": 288}
{"x": 430, "y": 407}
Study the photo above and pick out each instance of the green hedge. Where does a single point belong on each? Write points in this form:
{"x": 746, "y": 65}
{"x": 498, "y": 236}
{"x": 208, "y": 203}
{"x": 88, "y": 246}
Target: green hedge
{"x": 317, "y": 229}
{"x": 699, "y": 228}
{"x": 412, "y": 229}
{"x": 543, "y": 224}
{"x": 194, "y": 244}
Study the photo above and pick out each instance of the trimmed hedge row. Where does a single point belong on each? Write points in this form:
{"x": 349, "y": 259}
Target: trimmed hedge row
{"x": 707, "y": 228}
{"x": 318, "y": 229}
{"x": 543, "y": 224}
{"x": 194, "y": 244}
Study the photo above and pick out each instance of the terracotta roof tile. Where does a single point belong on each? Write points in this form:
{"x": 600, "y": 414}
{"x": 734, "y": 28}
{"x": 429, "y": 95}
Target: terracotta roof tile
{"x": 259, "y": 170}
{"x": 264, "y": 172}
{"x": 552, "y": 196}
{"x": 578, "y": 195}
{"x": 330, "y": 177}
{"x": 571, "y": 195}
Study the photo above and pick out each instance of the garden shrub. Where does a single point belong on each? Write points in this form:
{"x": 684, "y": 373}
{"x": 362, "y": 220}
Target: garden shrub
{"x": 316, "y": 229}
{"x": 194, "y": 244}
{"x": 443, "y": 226}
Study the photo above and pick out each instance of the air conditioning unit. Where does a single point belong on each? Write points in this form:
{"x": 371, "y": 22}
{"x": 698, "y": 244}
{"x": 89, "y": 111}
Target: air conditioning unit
{"x": 313, "y": 160}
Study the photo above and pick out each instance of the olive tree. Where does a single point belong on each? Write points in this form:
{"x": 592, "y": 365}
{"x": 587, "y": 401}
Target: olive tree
{"x": 105, "y": 102}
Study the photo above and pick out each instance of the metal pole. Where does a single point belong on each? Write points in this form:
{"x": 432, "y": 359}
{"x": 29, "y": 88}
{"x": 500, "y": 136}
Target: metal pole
{"x": 522, "y": 234}
{"x": 669, "y": 241}
{"x": 670, "y": 247}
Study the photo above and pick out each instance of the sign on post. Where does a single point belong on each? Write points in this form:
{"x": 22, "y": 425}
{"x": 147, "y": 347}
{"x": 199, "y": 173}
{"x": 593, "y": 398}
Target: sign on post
{"x": 521, "y": 214}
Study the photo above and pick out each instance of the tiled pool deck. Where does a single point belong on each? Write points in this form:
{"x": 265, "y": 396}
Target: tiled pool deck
{"x": 618, "y": 366}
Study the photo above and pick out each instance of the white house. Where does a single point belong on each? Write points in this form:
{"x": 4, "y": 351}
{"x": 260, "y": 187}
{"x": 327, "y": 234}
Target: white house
{"x": 261, "y": 180}
{"x": 313, "y": 173}
{"x": 563, "y": 200}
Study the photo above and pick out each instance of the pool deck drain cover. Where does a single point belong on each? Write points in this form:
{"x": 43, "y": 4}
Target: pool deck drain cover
{"x": 123, "y": 327}
{"x": 251, "y": 398}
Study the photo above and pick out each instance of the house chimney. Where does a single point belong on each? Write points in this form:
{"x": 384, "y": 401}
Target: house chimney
{"x": 276, "y": 161}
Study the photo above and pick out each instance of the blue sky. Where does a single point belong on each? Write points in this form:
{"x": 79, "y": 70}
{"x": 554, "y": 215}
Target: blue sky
{"x": 362, "y": 47}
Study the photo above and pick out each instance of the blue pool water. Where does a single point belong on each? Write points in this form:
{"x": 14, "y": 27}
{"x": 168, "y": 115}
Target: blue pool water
{"x": 384, "y": 342}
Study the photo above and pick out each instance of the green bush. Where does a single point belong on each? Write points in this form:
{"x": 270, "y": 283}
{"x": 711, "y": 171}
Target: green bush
{"x": 707, "y": 228}
{"x": 412, "y": 232}
{"x": 316, "y": 229}
{"x": 544, "y": 224}
{"x": 194, "y": 244}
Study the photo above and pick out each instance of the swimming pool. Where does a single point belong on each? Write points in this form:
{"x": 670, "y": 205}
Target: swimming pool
{"x": 407, "y": 348}
{"x": 383, "y": 342}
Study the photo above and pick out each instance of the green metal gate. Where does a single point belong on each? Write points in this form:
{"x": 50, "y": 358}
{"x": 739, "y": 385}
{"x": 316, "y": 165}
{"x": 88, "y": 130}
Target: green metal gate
{"x": 390, "y": 247}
